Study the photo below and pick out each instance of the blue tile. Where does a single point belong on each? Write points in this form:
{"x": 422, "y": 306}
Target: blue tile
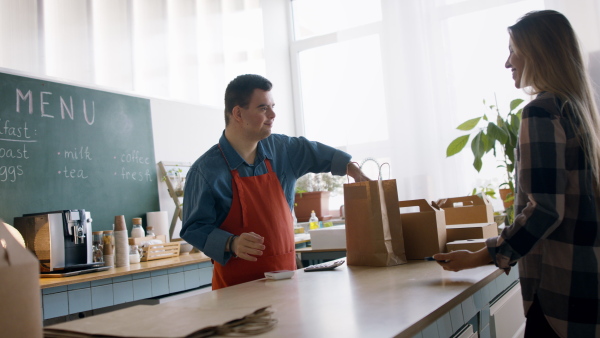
{"x": 478, "y": 298}
{"x": 206, "y": 275}
{"x": 176, "y": 270}
{"x": 123, "y": 292}
{"x": 55, "y": 289}
{"x": 468, "y": 308}
{"x": 140, "y": 275}
{"x": 78, "y": 286}
{"x": 484, "y": 316}
{"x": 159, "y": 272}
{"x": 457, "y": 318}
{"x": 176, "y": 282}
{"x": 205, "y": 264}
{"x": 444, "y": 326}
{"x": 431, "y": 331}
{"x": 192, "y": 279}
{"x": 102, "y": 296}
{"x": 485, "y": 332}
{"x": 142, "y": 288}
{"x": 56, "y": 305}
{"x": 102, "y": 282}
{"x": 123, "y": 278}
{"x": 80, "y": 300}
{"x": 160, "y": 285}
{"x": 190, "y": 267}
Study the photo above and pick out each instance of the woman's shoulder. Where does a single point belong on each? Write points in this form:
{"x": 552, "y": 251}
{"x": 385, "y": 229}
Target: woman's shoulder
{"x": 546, "y": 104}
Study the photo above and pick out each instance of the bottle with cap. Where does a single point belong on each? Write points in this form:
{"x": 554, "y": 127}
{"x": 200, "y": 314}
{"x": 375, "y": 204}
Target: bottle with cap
{"x": 313, "y": 221}
{"x": 137, "y": 230}
{"x": 150, "y": 230}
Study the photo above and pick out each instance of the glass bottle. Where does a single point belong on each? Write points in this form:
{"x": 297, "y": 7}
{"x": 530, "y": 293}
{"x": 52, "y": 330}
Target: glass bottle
{"x": 137, "y": 231}
{"x": 313, "y": 221}
{"x": 97, "y": 247}
{"x": 150, "y": 230}
{"x": 108, "y": 247}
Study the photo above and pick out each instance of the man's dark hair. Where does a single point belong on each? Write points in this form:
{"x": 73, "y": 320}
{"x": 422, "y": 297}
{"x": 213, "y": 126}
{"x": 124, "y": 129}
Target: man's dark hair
{"x": 239, "y": 91}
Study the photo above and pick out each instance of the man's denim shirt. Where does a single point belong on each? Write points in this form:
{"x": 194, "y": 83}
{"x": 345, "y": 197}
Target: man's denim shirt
{"x": 208, "y": 188}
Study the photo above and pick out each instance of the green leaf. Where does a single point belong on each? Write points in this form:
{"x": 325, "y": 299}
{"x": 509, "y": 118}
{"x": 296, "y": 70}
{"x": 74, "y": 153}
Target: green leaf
{"x": 468, "y": 125}
{"x": 478, "y": 145}
{"x": 497, "y": 133}
{"x": 457, "y": 145}
{"x": 515, "y": 123}
{"x": 515, "y": 103}
{"x": 477, "y": 163}
{"x": 499, "y": 121}
{"x": 488, "y": 143}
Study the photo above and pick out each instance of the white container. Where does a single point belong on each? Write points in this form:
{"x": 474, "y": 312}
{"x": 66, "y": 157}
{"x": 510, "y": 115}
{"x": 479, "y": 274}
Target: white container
{"x": 328, "y": 238}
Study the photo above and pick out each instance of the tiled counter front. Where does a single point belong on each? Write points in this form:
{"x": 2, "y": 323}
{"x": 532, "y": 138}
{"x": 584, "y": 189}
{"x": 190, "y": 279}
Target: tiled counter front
{"x": 474, "y": 311}
{"x": 101, "y": 293}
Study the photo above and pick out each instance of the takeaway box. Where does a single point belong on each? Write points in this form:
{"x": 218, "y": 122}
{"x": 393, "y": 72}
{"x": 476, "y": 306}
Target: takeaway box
{"x": 457, "y": 232}
{"x": 328, "y": 238}
{"x": 424, "y": 230}
{"x": 20, "y": 301}
{"x": 466, "y": 244}
{"x": 467, "y": 209}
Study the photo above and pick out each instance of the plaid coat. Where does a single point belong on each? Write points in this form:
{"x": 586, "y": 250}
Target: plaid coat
{"x": 556, "y": 233}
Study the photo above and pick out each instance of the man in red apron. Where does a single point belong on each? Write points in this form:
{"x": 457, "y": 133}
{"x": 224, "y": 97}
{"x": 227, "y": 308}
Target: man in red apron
{"x": 239, "y": 194}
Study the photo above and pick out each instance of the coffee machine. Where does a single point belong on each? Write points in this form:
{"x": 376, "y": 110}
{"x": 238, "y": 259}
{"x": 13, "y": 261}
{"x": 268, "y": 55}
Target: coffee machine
{"x": 61, "y": 240}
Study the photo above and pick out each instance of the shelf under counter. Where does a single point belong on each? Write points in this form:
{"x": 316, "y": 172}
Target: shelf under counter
{"x": 158, "y": 264}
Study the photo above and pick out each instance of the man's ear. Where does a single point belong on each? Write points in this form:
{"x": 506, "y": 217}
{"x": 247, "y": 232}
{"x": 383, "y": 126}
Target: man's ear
{"x": 236, "y": 113}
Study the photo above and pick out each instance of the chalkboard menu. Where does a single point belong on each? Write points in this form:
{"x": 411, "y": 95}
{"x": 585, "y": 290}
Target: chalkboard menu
{"x": 67, "y": 147}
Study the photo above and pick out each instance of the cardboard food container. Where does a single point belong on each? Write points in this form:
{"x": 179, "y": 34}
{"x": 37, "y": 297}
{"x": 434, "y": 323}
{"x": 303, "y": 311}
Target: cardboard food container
{"x": 424, "y": 231}
{"x": 466, "y": 244}
{"x": 467, "y": 209}
{"x": 456, "y": 232}
{"x": 20, "y": 301}
{"x": 328, "y": 238}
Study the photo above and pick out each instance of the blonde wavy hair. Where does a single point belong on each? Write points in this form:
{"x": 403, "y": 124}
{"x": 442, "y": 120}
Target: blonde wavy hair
{"x": 553, "y": 63}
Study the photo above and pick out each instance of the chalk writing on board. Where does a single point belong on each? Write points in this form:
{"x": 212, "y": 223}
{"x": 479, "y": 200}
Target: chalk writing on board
{"x": 81, "y": 153}
{"x": 14, "y": 138}
{"x": 131, "y": 161}
{"x": 67, "y": 109}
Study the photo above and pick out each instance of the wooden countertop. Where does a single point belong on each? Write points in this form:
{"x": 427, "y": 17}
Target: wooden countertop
{"x": 351, "y": 301}
{"x": 127, "y": 270}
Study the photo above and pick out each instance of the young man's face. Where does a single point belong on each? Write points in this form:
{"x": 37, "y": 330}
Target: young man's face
{"x": 257, "y": 119}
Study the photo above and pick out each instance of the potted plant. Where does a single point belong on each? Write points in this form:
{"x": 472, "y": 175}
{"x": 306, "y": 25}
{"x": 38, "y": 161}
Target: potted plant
{"x": 175, "y": 176}
{"x": 312, "y": 193}
{"x": 498, "y": 136}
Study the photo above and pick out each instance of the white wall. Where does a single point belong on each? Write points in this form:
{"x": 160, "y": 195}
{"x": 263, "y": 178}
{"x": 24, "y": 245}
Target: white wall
{"x": 182, "y": 132}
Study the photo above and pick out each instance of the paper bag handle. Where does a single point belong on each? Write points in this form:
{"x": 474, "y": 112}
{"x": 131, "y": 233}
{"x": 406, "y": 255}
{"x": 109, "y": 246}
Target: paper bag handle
{"x": 421, "y": 203}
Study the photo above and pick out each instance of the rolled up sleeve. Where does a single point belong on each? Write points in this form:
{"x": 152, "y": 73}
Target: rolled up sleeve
{"x": 200, "y": 227}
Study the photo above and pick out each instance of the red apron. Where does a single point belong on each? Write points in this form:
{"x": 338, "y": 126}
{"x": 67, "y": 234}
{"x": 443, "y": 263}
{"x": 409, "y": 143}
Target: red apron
{"x": 258, "y": 206}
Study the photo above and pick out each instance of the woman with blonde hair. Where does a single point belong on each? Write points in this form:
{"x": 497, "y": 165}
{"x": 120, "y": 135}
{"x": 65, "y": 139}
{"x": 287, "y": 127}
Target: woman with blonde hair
{"x": 555, "y": 237}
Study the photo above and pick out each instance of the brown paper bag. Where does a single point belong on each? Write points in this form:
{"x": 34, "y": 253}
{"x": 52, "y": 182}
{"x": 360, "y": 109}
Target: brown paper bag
{"x": 20, "y": 303}
{"x": 373, "y": 224}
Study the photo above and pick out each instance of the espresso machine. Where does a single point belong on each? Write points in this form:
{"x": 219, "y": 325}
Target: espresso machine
{"x": 61, "y": 240}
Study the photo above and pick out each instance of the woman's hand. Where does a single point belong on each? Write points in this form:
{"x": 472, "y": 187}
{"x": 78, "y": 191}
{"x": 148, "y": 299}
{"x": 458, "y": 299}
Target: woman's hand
{"x": 463, "y": 259}
{"x": 248, "y": 245}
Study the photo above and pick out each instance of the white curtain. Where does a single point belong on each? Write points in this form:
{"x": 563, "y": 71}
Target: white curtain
{"x": 184, "y": 50}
